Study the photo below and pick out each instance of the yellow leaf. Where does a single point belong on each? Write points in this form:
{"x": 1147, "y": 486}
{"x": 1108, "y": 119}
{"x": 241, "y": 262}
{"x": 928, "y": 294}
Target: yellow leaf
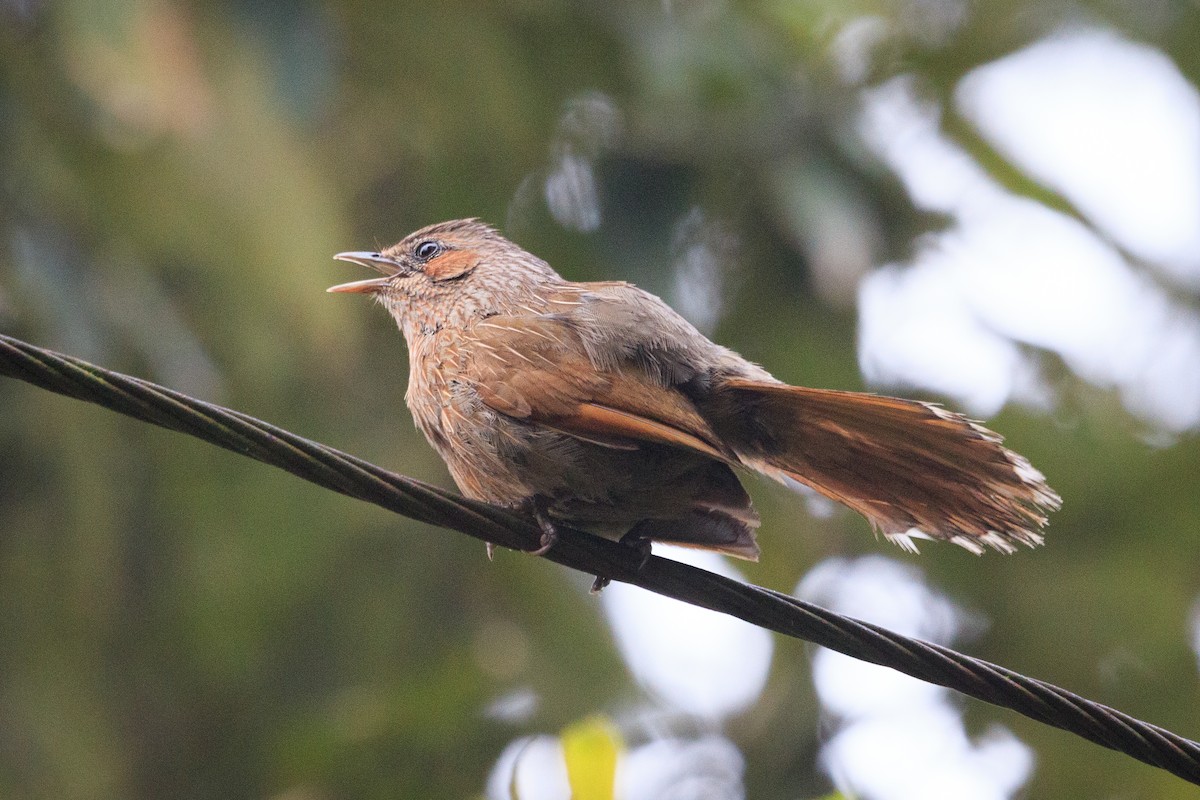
{"x": 591, "y": 747}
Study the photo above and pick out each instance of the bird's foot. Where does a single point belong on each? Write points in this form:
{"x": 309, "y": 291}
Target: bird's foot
{"x": 548, "y": 540}
{"x": 634, "y": 541}
{"x": 537, "y": 507}
{"x": 639, "y": 543}
{"x": 549, "y": 530}
{"x": 491, "y": 550}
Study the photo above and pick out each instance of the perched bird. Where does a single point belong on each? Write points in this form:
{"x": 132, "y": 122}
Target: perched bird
{"x": 597, "y": 406}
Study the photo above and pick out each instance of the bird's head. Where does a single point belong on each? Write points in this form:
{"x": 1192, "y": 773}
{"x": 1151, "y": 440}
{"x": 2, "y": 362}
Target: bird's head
{"x": 448, "y": 273}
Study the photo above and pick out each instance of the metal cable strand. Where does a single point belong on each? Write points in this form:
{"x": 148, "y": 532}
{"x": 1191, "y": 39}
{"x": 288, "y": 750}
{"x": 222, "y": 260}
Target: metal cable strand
{"x": 782, "y": 613}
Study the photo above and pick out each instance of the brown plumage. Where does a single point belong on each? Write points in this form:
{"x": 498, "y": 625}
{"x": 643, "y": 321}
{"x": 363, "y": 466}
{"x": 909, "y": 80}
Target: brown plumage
{"x": 597, "y": 405}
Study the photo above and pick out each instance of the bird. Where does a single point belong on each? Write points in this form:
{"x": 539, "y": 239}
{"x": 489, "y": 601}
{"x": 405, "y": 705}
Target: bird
{"x": 598, "y": 407}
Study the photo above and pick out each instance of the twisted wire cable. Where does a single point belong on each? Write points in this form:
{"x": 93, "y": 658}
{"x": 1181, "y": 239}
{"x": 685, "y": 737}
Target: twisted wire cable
{"x": 766, "y": 608}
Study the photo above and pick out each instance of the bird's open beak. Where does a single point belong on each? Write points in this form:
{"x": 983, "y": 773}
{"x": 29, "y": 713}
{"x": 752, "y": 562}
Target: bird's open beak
{"x": 376, "y": 262}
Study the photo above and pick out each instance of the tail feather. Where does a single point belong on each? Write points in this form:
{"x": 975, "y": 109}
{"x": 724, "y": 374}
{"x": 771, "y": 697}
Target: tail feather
{"x": 707, "y": 529}
{"x": 912, "y": 469}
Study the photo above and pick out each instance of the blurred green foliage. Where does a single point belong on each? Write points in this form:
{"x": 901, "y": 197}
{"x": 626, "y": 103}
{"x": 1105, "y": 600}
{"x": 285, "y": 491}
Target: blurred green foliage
{"x": 179, "y": 622}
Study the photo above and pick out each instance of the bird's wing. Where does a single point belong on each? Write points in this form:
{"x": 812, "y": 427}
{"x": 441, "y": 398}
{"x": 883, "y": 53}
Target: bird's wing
{"x": 538, "y": 368}
{"x": 624, "y": 327}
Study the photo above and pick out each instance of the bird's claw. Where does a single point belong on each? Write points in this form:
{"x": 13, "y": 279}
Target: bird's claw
{"x": 548, "y": 540}
{"x": 639, "y": 543}
{"x": 549, "y": 531}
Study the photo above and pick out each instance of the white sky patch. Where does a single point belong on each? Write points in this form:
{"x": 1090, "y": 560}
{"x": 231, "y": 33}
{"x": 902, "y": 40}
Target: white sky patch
{"x": 938, "y": 175}
{"x": 699, "y": 666}
{"x": 532, "y": 768}
{"x": 915, "y": 329}
{"x": 571, "y": 192}
{"x": 828, "y": 223}
{"x": 853, "y": 47}
{"x": 702, "y": 249}
{"x": 1008, "y": 271}
{"x": 705, "y": 664}
{"x": 923, "y": 754}
{"x": 590, "y": 123}
{"x": 898, "y": 738}
{"x": 1112, "y": 125}
{"x": 710, "y": 767}
{"x": 1044, "y": 279}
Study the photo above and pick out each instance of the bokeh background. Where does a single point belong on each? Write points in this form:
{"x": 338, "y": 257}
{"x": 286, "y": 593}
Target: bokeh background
{"x": 994, "y": 205}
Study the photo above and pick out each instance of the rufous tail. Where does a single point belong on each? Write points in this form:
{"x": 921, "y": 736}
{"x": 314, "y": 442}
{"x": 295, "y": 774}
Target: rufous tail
{"x": 911, "y": 468}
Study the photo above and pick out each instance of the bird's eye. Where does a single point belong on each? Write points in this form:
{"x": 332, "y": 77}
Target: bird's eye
{"x": 427, "y": 250}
